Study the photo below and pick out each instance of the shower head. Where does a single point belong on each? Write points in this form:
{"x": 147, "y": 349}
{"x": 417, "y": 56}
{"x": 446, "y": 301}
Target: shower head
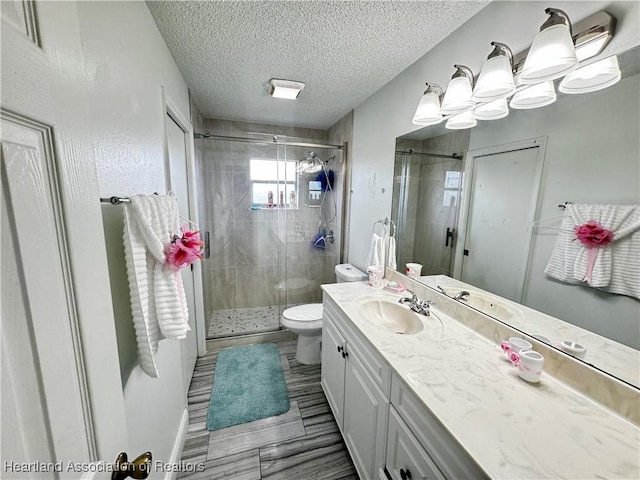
{"x": 310, "y": 164}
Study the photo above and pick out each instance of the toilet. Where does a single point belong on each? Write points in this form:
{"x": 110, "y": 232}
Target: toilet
{"x": 306, "y": 320}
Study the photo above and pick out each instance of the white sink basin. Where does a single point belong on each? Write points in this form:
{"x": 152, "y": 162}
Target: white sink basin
{"x": 391, "y": 316}
{"x": 488, "y": 304}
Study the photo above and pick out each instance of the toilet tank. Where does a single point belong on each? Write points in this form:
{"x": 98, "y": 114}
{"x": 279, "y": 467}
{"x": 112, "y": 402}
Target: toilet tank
{"x": 345, "y": 272}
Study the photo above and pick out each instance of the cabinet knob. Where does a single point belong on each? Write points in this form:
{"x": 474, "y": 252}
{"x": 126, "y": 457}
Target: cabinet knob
{"x": 340, "y": 348}
{"x": 345, "y": 354}
{"x": 405, "y": 474}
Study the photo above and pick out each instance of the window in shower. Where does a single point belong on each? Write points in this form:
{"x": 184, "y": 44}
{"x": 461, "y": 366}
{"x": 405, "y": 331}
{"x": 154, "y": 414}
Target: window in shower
{"x": 452, "y": 185}
{"x": 277, "y": 177}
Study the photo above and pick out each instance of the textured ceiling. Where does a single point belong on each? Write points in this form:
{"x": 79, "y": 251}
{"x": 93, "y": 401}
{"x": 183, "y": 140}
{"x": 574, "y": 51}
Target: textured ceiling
{"x": 344, "y": 51}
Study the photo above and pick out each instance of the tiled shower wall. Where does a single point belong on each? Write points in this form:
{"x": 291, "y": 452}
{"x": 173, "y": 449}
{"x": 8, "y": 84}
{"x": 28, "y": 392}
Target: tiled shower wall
{"x": 262, "y": 258}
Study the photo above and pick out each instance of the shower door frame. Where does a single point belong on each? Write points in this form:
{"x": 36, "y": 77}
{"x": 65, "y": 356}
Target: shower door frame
{"x": 281, "y": 141}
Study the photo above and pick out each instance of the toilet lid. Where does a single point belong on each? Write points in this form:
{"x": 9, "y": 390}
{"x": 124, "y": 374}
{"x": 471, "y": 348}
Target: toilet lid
{"x": 310, "y": 313}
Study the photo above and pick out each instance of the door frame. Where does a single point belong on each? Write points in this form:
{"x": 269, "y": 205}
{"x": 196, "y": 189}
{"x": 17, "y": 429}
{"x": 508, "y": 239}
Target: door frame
{"x": 169, "y": 108}
{"x": 467, "y": 196}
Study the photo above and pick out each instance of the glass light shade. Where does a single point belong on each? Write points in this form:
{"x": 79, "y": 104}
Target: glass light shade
{"x": 428, "y": 111}
{"x": 461, "y": 121}
{"x": 457, "y": 98}
{"x": 552, "y": 55}
{"x": 598, "y": 75}
{"x": 492, "y": 110}
{"x": 495, "y": 81}
{"x": 534, "y": 96}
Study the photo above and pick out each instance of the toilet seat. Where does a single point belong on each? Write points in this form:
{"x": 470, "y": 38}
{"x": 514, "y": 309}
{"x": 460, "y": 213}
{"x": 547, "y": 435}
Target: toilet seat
{"x": 303, "y": 316}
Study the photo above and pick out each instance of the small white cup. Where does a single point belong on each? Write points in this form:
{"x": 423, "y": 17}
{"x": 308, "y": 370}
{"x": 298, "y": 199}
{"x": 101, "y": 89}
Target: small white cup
{"x": 413, "y": 270}
{"x": 518, "y": 344}
{"x": 531, "y": 364}
{"x": 375, "y": 275}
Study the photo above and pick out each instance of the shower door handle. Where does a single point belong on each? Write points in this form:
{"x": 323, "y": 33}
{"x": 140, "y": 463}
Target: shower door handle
{"x": 207, "y": 245}
{"x": 449, "y": 236}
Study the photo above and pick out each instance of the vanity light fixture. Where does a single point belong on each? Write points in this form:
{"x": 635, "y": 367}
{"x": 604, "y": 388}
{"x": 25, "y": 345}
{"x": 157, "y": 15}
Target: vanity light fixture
{"x": 534, "y": 96}
{"x": 428, "y": 111}
{"x": 590, "y": 78}
{"x": 457, "y": 99}
{"x": 528, "y": 76}
{"x": 461, "y": 121}
{"x": 287, "y": 89}
{"x": 492, "y": 110}
{"x": 496, "y": 77}
{"x": 552, "y": 53}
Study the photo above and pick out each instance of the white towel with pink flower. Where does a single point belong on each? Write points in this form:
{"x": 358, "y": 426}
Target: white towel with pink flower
{"x": 155, "y": 250}
{"x": 600, "y": 246}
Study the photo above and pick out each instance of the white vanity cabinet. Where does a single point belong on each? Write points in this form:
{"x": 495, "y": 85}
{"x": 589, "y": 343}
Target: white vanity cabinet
{"x": 418, "y": 443}
{"x": 356, "y": 382}
{"x": 406, "y": 459}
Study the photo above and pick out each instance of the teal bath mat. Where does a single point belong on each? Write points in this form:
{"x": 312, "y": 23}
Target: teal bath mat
{"x": 248, "y": 384}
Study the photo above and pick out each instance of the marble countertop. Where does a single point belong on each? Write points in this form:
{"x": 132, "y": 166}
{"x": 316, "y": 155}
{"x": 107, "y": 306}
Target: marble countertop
{"x": 615, "y": 358}
{"x": 511, "y": 428}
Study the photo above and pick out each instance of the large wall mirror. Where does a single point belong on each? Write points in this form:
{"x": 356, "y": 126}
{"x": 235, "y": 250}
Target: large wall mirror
{"x": 492, "y": 218}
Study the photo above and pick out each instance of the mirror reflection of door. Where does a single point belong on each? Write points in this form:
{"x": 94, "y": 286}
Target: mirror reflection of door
{"x": 503, "y": 196}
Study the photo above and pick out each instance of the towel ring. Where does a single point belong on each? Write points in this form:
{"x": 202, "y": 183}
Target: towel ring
{"x": 383, "y": 224}
{"x": 394, "y": 228}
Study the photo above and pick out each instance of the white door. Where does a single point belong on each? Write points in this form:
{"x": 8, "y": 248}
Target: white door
{"x": 61, "y": 392}
{"x": 177, "y": 151}
{"x": 504, "y": 190}
{"x": 333, "y": 368}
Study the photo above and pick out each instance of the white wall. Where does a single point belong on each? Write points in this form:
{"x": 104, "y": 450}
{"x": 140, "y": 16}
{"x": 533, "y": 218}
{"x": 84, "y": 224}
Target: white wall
{"x": 387, "y": 114}
{"x": 127, "y": 63}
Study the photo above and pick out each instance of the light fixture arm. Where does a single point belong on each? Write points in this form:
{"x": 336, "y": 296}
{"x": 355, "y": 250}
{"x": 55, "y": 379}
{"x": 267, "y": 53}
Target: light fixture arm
{"x": 464, "y": 71}
{"x": 501, "y": 49}
{"x": 556, "y": 17}
{"x": 434, "y": 88}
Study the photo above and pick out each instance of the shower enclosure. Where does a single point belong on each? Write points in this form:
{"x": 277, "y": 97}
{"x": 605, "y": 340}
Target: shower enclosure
{"x": 273, "y": 208}
{"x": 426, "y": 200}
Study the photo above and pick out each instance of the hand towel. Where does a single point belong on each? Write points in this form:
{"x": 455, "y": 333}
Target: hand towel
{"x": 392, "y": 253}
{"x": 376, "y": 251}
{"x": 616, "y": 268}
{"x": 158, "y": 301}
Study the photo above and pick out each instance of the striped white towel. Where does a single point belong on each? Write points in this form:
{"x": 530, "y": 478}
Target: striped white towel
{"x": 617, "y": 265}
{"x": 158, "y": 301}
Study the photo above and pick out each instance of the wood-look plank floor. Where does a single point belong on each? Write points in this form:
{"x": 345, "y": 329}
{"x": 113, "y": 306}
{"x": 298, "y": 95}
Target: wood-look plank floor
{"x": 302, "y": 444}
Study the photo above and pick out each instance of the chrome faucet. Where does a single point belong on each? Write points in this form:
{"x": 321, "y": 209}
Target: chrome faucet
{"x": 419, "y": 306}
{"x": 462, "y": 296}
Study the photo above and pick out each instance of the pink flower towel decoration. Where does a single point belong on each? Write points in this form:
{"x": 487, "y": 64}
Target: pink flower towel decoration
{"x": 184, "y": 250}
{"x": 593, "y": 236}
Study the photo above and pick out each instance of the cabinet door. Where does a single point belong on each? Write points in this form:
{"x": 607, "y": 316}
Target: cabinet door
{"x": 365, "y": 417}
{"x": 333, "y": 345}
{"x": 406, "y": 459}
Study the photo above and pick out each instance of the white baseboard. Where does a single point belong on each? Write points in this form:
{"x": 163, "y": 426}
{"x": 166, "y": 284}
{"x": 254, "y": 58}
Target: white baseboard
{"x": 178, "y": 446}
